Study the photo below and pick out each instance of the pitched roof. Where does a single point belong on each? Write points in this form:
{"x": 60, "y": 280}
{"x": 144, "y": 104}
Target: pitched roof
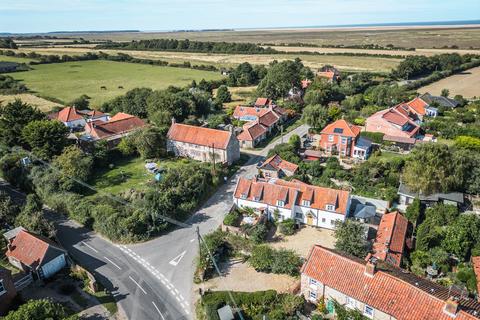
{"x": 268, "y": 119}
{"x": 278, "y": 163}
{"x": 418, "y": 105}
{"x": 442, "y": 101}
{"x": 96, "y": 114}
{"x": 297, "y": 191}
{"x": 391, "y": 290}
{"x": 326, "y": 74}
{"x": 390, "y": 240}
{"x": 199, "y": 135}
{"x": 32, "y": 250}
{"x": 343, "y": 128}
{"x": 67, "y": 114}
{"x": 242, "y": 111}
{"x": 262, "y": 102}
{"x": 119, "y": 124}
{"x": 251, "y": 131}
{"x": 400, "y": 117}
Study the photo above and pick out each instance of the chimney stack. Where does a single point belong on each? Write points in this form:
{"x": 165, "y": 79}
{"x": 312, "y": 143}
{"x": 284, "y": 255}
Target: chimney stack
{"x": 371, "y": 266}
{"x": 451, "y": 307}
{"x": 173, "y": 120}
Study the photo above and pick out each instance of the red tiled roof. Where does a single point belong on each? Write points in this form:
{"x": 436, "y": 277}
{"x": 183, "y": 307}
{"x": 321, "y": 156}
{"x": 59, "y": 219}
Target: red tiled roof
{"x": 395, "y": 117}
{"x": 262, "y": 102}
{"x": 418, "y": 106}
{"x": 242, "y": 111}
{"x": 279, "y": 164}
{"x": 326, "y": 74}
{"x": 96, "y": 114}
{"x": 67, "y": 114}
{"x": 399, "y": 139}
{"x": 268, "y": 119}
{"x": 348, "y": 130}
{"x": 199, "y": 135}
{"x": 391, "y": 290}
{"x": 390, "y": 240}
{"x": 318, "y": 196}
{"x": 28, "y": 249}
{"x": 476, "y": 269}
{"x": 119, "y": 124}
{"x": 251, "y": 131}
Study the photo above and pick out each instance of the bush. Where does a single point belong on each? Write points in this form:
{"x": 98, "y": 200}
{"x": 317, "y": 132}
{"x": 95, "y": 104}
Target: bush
{"x": 287, "y": 227}
{"x": 266, "y": 259}
{"x": 376, "y": 137}
{"x": 257, "y": 233}
{"x": 232, "y": 218}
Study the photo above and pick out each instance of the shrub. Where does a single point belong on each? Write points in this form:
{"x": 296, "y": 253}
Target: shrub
{"x": 262, "y": 258}
{"x": 376, "y": 137}
{"x": 232, "y": 218}
{"x": 287, "y": 227}
{"x": 286, "y": 262}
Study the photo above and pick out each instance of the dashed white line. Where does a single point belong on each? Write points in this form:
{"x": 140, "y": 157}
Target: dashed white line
{"x": 137, "y": 284}
{"x": 113, "y": 263}
{"x": 192, "y": 240}
{"x": 90, "y": 246}
{"x": 158, "y": 310}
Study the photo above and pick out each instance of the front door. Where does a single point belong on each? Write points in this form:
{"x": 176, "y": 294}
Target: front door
{"x": 309, "y": 219}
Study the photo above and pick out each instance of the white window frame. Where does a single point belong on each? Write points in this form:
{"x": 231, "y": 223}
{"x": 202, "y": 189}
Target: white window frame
{"x": 3, "y": 290}
{"x": 330, "y": 138}
{"x": 350, "y": 303}
{"x": 330, "y": 207}
{"x": 280, "y": 203}
{"x": 344, "y": 140}
{"x": 306, "y": 203}
{"x": 365, "y": 312}
{"x": 313, "y": 282}
{"x": 312, "y": 295}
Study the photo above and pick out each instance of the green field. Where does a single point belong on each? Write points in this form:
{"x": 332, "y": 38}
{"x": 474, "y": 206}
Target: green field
{"x": 67, "y": 81}
{"x": 15, "y": 59}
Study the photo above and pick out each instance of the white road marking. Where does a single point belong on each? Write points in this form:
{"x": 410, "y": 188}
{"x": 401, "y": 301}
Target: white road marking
{"x": 113, "y": 263}
{"x": 137, "y": 284}
{"x": 175, "y": 261}
{"x": 90, "y": 246}
{"x": 192, "y": 240}
{"x": 158, "y": 310}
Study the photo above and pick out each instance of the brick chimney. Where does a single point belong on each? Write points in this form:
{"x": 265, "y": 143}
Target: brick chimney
{"x": 371, "y": 266}
{"x": 451, "y": 307}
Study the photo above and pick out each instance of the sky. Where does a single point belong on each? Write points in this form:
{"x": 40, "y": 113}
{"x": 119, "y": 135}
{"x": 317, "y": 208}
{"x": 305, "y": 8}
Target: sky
{"x": 151, "y": 15}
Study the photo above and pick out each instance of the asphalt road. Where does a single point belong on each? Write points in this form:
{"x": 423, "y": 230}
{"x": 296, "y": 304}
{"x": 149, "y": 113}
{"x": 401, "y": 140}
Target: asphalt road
{"x": 152, "y": 280}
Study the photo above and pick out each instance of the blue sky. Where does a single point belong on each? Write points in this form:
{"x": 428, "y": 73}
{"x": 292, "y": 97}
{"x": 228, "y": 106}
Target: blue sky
{"x": 54, "y": 15}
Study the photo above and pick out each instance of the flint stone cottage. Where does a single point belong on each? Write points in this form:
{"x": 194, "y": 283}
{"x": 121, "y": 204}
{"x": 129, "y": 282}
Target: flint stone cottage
{"x": 379, "y": 290}
{"x": 203, "y": 144}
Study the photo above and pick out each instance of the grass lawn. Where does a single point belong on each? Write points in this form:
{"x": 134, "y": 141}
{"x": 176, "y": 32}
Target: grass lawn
{"x": 387, "y": 155}
{"x": 4, "y": 264}
{"x": 128, "y": 173}
{"x": 67, "y": 81}
{"x": 15, "y": 59}
{"x": 42, "y": 104}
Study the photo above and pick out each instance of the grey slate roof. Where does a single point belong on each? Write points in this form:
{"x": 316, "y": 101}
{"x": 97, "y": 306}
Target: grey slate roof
{"x": 363, "y": 143}
{"x": 442, "y": 101}
{"x": 451, "y": 196}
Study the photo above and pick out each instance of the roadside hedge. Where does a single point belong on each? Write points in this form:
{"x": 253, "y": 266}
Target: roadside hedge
{"x": 254, "y": 305}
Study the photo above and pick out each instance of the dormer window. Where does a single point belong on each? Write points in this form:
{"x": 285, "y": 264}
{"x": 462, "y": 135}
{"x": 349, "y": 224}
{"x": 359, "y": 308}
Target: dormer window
{"x": 256, "y": 198}
{"x": 306, "y": 203}
{"x": 243, "y": 196}
{"x": 280, "y": 203}
{"x": 330, "y": 207}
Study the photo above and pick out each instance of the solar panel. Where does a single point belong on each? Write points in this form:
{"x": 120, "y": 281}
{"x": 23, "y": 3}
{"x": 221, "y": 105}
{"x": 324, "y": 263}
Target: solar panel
{"x": 338, "y": 130}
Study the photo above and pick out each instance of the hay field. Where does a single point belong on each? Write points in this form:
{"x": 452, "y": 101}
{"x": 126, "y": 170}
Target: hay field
{"x": 15, "y": 59}
{"x": 67, "y": 81}
{"x": 466, "y": 84}
{"x": 417, "y": 52}
{"x": 42, "y": 104}
{"x": 346, "y": 63}
{"x": 409, "y": 37}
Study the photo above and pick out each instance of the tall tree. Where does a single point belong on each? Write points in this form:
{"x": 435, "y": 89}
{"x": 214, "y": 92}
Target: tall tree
{"x": 13, "y": 118}
{"x": 351, "y": 238}
{"x": 45, "y": 138}
{"x": 280, "y": 78}
{"x": 430, "y": 169}
{"x": 315, "y": 116}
